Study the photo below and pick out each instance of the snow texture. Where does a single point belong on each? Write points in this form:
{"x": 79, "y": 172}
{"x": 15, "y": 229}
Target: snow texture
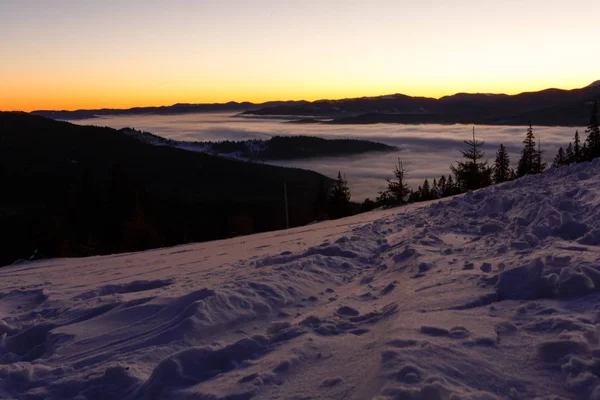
{"x": 490, "y": 295}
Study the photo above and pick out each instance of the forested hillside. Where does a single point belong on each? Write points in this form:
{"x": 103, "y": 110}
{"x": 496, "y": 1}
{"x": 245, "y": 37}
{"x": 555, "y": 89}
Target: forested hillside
{"x": 78, "y": 190}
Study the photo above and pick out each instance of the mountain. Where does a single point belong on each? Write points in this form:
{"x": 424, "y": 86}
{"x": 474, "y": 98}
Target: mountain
{"x": 549, "y": 107}
{"x": 489, "y": 295}
{"x": 546, "y": 107}
{"x": 72, "y": 190}
{"x": 175, "y": 109}
{"x": 594, "y": 84}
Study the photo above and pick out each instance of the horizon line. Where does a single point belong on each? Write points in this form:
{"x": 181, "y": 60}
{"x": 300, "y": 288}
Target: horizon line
{"x": 305, "y": 100}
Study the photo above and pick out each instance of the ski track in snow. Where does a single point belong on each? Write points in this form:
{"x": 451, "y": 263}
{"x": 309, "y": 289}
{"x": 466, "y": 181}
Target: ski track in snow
{"x": 490, "y": 295}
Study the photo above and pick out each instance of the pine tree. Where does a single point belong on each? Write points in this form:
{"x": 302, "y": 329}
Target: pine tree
{"x": 577, "y": 152}
{"x": 472, "y": 174}
{"x": 398, "y": 188}
{"x": 451, "y": 188}
{"x": 397, "y": 191}
{"x": 528, "y": 155}
{"x": 502, "y": 165}
{"x": 425, "y": 191}
{"x": 435, "y": 190}
{"x": 415, "y": 195}
{"x": 442, "y": 186}
{"x": 560, "y": 159}
{"x": 340, "y": 198}
{"x": 593, "y": 135}
{"x": 539, "y": 166}
{"x": 569, "y": 155}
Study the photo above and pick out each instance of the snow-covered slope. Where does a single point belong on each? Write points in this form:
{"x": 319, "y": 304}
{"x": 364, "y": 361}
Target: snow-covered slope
{"x": 491, "y": 295}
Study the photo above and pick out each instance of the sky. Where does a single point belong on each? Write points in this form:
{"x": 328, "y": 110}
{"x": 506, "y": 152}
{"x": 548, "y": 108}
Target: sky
{"x": 74, "y": 54}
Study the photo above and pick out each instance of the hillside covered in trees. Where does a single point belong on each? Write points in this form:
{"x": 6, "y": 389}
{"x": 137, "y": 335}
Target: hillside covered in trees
{"x": 70, "y": 190}
{"x": 275, "y": 148}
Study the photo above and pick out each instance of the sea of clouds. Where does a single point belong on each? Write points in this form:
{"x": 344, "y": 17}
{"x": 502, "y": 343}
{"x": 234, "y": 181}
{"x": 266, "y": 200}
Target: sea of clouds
{"x": 426, "y": 150}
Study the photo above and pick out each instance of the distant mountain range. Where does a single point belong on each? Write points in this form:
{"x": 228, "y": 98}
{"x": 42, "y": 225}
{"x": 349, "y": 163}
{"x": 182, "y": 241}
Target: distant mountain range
{"x": 175, "y": 109}
{"x": 546, "y": 107}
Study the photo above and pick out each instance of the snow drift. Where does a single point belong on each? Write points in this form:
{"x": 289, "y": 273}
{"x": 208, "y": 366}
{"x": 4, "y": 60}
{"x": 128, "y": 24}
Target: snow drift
{"x": 490, "y": 295}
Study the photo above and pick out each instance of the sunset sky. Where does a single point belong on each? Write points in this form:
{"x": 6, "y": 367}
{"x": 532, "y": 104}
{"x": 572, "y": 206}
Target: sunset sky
{"x": 71, "y": 54}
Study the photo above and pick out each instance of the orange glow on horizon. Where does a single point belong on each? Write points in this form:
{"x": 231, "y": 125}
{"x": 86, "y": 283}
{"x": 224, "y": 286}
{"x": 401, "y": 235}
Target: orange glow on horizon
{"x": 73, "y": 54}
{"x": 72, "y": 98}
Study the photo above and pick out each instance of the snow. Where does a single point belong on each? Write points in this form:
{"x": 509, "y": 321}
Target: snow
{"x": 490, "y": 295}
{"x": 254, "y": 146}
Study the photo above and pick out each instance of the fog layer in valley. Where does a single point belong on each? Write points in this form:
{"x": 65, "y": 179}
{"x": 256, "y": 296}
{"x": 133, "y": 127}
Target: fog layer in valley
{"x": 426, "y": 150}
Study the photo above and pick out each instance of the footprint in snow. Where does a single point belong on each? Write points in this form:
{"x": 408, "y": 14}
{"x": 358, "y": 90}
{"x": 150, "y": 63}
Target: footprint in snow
{"x": 329, "y": 382}
{"x": 456, "y": 333}
{"x": 391, "y": 286}
{"x": 346, "y": 311}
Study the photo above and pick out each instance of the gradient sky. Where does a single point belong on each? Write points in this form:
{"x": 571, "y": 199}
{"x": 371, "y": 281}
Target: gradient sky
{"x": 71, "y": 54}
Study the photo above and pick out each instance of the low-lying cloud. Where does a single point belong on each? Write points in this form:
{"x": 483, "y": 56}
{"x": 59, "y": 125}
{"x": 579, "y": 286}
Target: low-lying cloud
{"x": 426, "y": 150}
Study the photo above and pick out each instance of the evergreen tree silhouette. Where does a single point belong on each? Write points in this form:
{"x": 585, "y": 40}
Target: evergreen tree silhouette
{"x": 577, "y": 152}
{"x": 415, "y": 195}
{"x": 560, "y": 159}
{"x": 539, "y": 165}
{"x": 442, "y": 186}
{"x": 569, "y": 155}
{"x": 527, "y": 163}
{"x": 425, "y": 191}
{"x": 397, "y": 191}
{"x": 451, "y": 188}
{"x": 340, "y": 198}
{"x": 472, "y": 174}
{"x": 435, "y": 190}
{"x": 593, "y": 135}
{"x": 502, "y": 165}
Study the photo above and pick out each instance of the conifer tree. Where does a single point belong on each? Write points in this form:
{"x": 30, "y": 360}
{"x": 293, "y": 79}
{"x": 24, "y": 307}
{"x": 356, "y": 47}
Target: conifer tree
{"x": 502, "y": 165}
{"x": 528, "y": 155}
{"x": 451, "y": 188}
{"x": 340, "y": 198}
{"x": 593, "y": 135}
{"x": 398, "y": 188}
{"x": 425, "y": 191}
{"x": 569, "y": 155}
{"x": 474, "y": 173}
{"x": 442, "y": 189}
{"x": 577, "y": 152}
{"x": 539, "y": 166}
{"x": 560, "y": 159}
{"x": 413, "y": 197}
{"x": 397, "y": 191}
{"x": 435, "y": 190}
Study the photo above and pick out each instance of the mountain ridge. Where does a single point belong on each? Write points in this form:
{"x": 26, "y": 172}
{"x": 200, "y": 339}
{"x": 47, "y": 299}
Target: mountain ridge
{"x": 548, "y": 107}
{"x": 490, "y": 108}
